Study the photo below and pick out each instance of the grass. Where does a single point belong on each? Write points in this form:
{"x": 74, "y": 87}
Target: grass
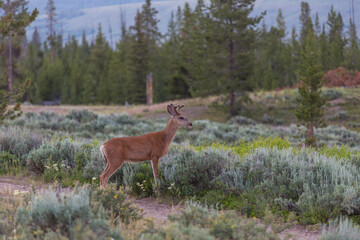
{"x": 278, "y": 105}
{"x": 281, "y": 105}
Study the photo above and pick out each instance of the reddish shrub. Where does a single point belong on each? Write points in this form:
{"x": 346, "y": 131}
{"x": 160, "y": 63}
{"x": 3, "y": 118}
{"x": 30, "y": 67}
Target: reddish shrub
{"x": 342, "y": 78}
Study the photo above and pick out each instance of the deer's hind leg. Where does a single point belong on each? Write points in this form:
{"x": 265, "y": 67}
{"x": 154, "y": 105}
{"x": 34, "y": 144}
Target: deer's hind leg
{"x": 110, "y": 169}
{"x": 102, "y": 174}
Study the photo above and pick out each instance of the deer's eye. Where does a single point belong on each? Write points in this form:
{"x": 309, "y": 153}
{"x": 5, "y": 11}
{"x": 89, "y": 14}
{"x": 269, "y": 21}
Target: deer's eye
{"x": 181, "y": 118}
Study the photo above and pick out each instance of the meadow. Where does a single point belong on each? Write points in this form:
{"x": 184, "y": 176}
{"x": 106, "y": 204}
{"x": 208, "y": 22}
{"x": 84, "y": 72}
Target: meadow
{"x": 237, "y": 178}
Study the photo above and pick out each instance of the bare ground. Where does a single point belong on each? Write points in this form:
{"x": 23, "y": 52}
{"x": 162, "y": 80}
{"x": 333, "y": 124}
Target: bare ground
{"x": 152, "y": 208}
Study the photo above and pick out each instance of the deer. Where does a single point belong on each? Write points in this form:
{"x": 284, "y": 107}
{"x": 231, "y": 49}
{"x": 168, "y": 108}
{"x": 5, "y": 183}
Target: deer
{"x": 151, "y": 146}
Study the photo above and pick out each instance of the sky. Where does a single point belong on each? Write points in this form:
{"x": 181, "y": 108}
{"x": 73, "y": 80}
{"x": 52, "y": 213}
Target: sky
{"x": 76, "y": 16}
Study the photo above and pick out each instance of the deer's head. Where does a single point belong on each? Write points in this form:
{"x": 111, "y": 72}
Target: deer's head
{"x": 179, "y": 118}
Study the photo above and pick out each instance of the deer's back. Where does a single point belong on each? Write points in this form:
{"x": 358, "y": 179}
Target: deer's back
{"x": 137, "y": 148}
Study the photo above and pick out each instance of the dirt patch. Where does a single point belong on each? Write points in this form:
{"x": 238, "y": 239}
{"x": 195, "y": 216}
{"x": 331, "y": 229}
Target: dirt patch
{"x": 11, "y": 185}
{"x": 300, "y": 232}
{"x": 153, "y": 209}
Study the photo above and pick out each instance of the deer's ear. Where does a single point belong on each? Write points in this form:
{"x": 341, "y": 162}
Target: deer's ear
{"x": 170, "y": 110}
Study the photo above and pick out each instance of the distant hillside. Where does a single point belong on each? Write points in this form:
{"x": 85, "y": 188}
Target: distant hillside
{"x": 77, "y": 16}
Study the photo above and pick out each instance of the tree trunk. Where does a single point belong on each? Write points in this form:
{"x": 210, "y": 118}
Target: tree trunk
{"x": 9, "y": 43}
{"x": 10, "y": 69}
{"x": 310, "y": 139}
{"x": 231, "y": 68}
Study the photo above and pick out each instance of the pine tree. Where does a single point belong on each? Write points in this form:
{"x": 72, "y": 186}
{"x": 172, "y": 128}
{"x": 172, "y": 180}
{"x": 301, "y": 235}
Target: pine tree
{"x": 305, "y": 21}
{"x": 352, "y": 52}
{"x": 232, "y": 37}
{"x": 138, "y": 62}
{"x": 275, "y": 54}
{"x": 12, "y": 25}
{"x": 97, "y": 85}
{"x": 336, "y": 39}
{"x": 317, "y": 25}
{"x": 177, "y": 86}
{"x": 197, "y": 51}
{"x": 118, "y": 70}
{"x": 310, "y": 102}
{"x": 51, "y": 20}
{"x": 71, "y": 72}
{"x": 324, "y": 50}
{"x": 295, "y": 49}
{"x": 32, "y": 65}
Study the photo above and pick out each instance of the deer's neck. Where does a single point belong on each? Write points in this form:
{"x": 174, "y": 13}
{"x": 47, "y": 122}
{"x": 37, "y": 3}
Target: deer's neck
{"x": 170, "y": 131}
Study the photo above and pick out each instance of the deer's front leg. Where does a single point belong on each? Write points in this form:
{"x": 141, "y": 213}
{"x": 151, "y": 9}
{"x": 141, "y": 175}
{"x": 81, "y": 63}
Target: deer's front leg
{"x": 155, "y": 167}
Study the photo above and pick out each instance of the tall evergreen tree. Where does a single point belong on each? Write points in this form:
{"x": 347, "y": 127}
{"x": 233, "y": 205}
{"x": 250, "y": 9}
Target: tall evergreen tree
{"x": 51, "y": 20}
{"x": 305, "y": 21}
{"x": 352, "y": 52}
{"x": 118, "y": 69}
{"x": 138, "y": 62}
{"x": 152, "y": 38}
{"x": 32, "y": 65}
{"x": 336, "y": 39}
{"x": 97, "y": 86}
{"x": 12, "y": 25}
{"x": 232, "y": 37}
{"x": 17, "y": 18}
{"x": 310, "y": 101}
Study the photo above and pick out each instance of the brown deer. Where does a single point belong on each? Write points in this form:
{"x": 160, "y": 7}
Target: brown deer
{"x": 151, "y": 146}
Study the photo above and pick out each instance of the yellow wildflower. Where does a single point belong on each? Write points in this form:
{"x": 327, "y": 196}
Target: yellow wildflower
{"x": 115, "y": 196}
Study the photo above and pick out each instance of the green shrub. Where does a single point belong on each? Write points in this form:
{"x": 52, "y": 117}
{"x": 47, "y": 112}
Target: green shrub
{"x": 251, "y": 204}
{"x": 198, "y": 222}
{"x": 243, "y": 148}
{"x": 18, "y": 141}
{"x": 241, "y": 120}
{"x": 192, "y": 172}
{"x": 82, "y": 116}
{"x": 341, "y": 115}
{"x": 342, "y": 229}
{"x": 8, "y": 163}
{"x": 51, "y": 214}
{"x": 115, "y": 202}
{"x": 56, "y": 210}
{"x": 312, "y": 183}
{"x": 55, "y": 152}
{"x": 139, "y": 177}
{"x": 331, "y": 94}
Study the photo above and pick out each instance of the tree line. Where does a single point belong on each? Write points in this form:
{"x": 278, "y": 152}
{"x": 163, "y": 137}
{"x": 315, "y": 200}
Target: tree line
{"x": 216, "y": 48}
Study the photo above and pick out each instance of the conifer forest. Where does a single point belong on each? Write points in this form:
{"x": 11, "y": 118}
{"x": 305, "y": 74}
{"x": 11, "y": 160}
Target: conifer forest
{"x": 226, "y": 125}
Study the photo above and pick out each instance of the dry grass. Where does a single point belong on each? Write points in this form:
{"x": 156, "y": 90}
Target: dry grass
{"x": 195, "y": 108}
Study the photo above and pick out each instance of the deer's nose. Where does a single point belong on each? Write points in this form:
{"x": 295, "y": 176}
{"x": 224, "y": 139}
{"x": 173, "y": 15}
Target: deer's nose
{"x": 190, "y": 125}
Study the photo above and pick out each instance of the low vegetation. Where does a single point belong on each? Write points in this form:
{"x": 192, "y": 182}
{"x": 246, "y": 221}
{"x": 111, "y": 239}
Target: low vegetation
{"x": 240, "y": 165}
